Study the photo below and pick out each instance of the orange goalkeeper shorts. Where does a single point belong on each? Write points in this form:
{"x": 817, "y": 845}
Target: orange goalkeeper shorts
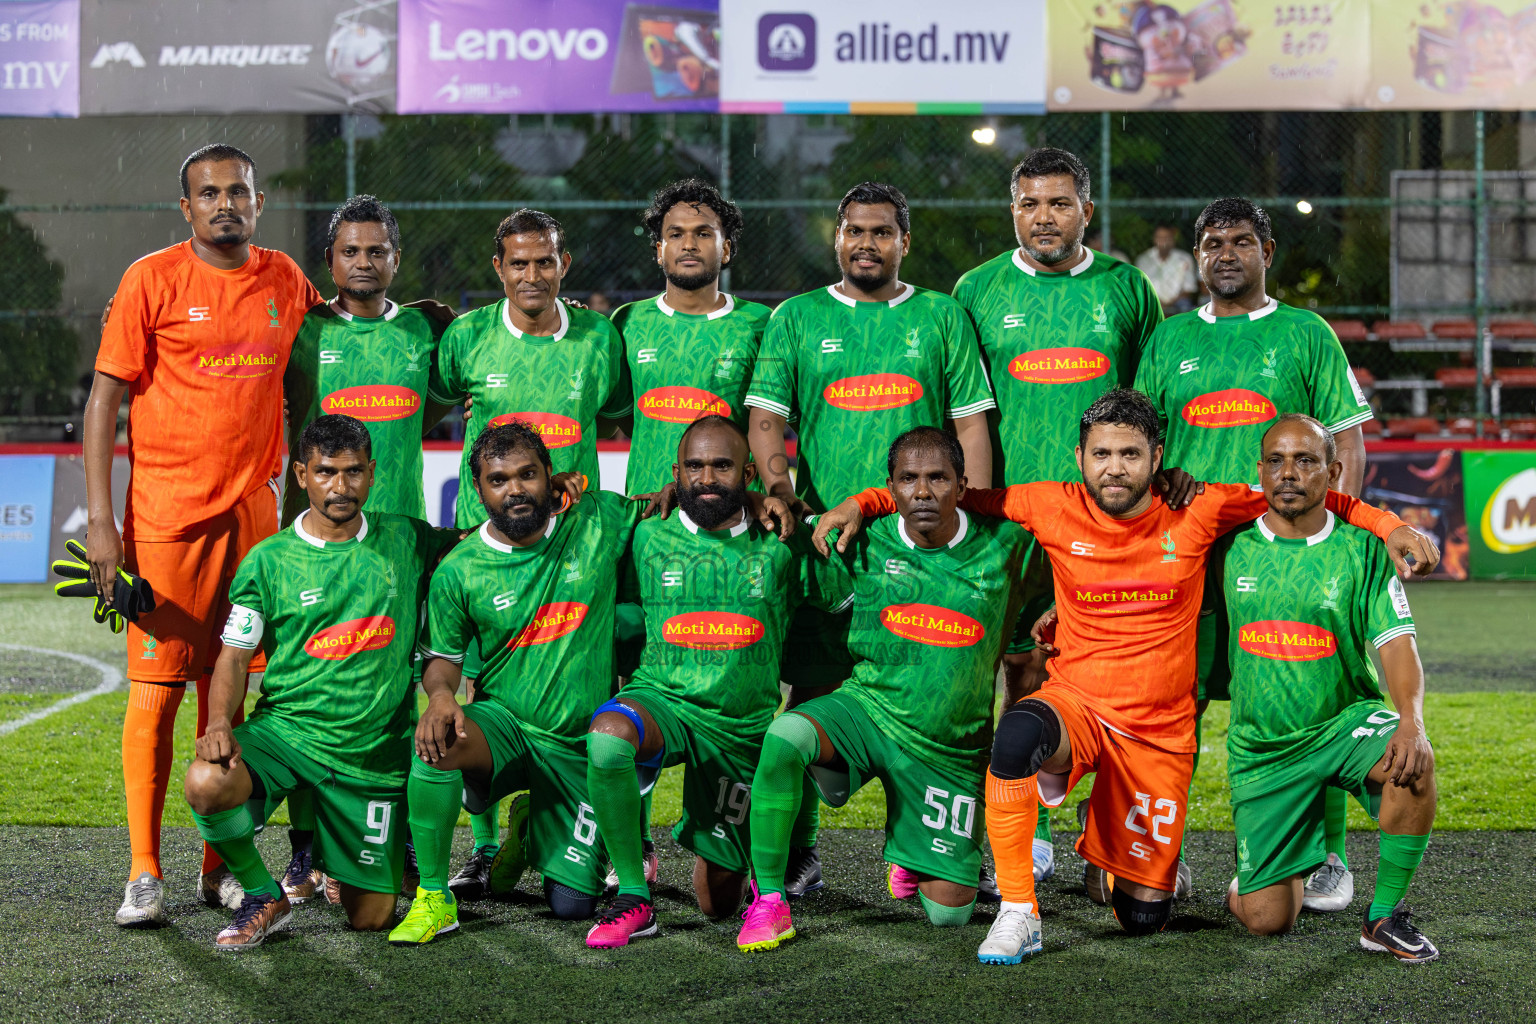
{"x": 179, "y": 640}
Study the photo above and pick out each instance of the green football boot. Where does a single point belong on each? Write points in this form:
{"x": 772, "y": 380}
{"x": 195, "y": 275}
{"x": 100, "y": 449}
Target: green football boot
{"x": 432, "y": 914}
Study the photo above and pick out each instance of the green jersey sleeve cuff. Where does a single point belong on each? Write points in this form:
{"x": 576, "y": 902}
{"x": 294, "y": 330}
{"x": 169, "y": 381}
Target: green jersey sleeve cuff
{"x": 759, "y": 402}
{"x": 427, "y": 652}
{"x": 244, "y": 629}
{"x": 1351, "y": 421}
{"x": 961, "y": 411}
{"x": 1392, "y": 634}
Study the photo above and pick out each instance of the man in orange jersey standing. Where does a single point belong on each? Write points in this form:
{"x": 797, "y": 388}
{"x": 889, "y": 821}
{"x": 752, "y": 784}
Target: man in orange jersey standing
{"x": 1120, "y": 699}
{"x": 199, "y": 335}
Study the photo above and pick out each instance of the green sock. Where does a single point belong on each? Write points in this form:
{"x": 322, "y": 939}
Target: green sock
{"x": 808, "y": 818}
{"x": 1043, "y": 824}
{"x": 433, "y": 797}
{"x": 232, "y": 834}
{"x": 790, "y": 745}
{"x": 645, "y": 814}
{"x": 486, "y": 828}
{"x": 1399, "y": 859}
{"x": 614, "y": 789}
{"x": 946, "y": 917}
{"x": 1189, "y": 798}
{"x": 1335, "y": 814}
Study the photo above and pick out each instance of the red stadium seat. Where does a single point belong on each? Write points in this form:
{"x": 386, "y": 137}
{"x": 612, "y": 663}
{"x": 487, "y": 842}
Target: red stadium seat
{"x": 1513, "y": 329}
{"x": 1515, "y": 376}
{"x": 1467, "y": 425}
{"x": 1413, "y": 426}
{"x": 1371, "y": 427}
{"x": 1521, "y": 429}
{"x": 1364, "y": 377}
{"x": 1350, "y": 330}
{"x": 1457, "y": 376}
{"x": 1454, "y": 328}
{"x": 1398, "y": 329}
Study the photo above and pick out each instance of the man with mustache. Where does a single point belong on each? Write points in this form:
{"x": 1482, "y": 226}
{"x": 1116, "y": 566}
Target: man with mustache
{"x": 199, "y": 335}
{"x": 1059, "y": 325}
{"x": 1219, "y": 376}
{"x": 858, "y": 362}
{"x": 334, "y": 601}
{"x": 1120, "y": 699}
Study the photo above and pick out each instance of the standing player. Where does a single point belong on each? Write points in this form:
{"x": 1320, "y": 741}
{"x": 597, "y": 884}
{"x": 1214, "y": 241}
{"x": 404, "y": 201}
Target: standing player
{"x": 934, "y": 595}
{"x": 1308, "y": 598}
{"x": 1059, "y": 325}
{"x": 199, "y": 334}
{"x": 334, "y": 601}
{"x": 1120, "y": 700}
{"x": 1219, "y": 376}
{"x": 858, "y": 362}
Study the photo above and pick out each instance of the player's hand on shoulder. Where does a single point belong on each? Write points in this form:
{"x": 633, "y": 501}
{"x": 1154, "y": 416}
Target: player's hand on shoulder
{"x": 1405, "y": 542}
{"x": 659, "y": 503}
{"x": 1043, "y": 632}
{"x": 571, "y": 484}
{"x": 1409, "y": 756}
{"x": 469, "y": 404}
{"x": 846, "y": 518}
{"x": 441, "y": 725}
{"x": 217, "y": 745}
{"x": 441, "y": 312}
{"x": 574, "y": 302}
{"x": 1177, "y": 487}
{"x": 775, "y": 514}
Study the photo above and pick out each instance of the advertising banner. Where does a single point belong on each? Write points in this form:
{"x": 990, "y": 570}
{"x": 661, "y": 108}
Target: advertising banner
{"x": 898, "y": 57}
{"x": 230, "y": 56}
{"x": 1462, "y": 55}
{"x": 1501, "y": 513}
{"x": 26, "y": 509}
{"x": 40, "y": 59}
{"x": 1208, "y": 55}
{"x": 1424, "y": 489}
{"x": 540, "y": 56}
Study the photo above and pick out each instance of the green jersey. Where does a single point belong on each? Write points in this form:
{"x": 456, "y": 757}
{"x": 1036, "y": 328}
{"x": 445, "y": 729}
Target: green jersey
{"x": 857, "y": 374}
{"x": 928, "y": 631}
{"x": 377, "y": 370}
{"x": 683, "y": 366}
{"x": 717, "y": 608}
{"x": 1053, "y": 343}
{"x": 1218, "y": 382}
{"x": 338, "y": 624}
{"x": 559, "y": 385}
{"x": 540, "y": 617}
{"x": 1303, "y": 613}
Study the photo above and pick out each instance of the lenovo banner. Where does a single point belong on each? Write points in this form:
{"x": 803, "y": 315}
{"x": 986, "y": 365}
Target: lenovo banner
{"x": 40, "y": 59}
{"x": 231, "y": 56}
{"x": 902, "y": 56}
{"x": 542, "y": 56}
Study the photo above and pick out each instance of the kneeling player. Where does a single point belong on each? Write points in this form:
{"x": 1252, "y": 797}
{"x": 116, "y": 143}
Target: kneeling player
{"x": 1308, "y": 596}
{"x": 333, "y": 601}
{"x": 934, "y": 593}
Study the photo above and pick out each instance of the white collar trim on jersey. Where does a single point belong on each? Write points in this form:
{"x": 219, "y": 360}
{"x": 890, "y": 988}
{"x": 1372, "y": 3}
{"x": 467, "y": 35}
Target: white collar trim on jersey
{"x": 305, "y": 535}
{"x": 1316, "y": 538}
{"x": 906, "y": 538}
{"x": 507, "y": 549}
{"x": 506, "y": 319}
{"x": 1263, "y": 311}
{"x": 736, "y": 531}
{"x": 391, "y": 309}
{"x": 907, "y": 291}
{"x": 1082, "y": 264}
{"x": 730, "y": 304}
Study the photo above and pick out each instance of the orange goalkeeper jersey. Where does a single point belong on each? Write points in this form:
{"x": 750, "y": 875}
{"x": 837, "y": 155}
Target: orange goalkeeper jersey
{"x": 1128, "y": 592}
{"x": 204, "y": 352}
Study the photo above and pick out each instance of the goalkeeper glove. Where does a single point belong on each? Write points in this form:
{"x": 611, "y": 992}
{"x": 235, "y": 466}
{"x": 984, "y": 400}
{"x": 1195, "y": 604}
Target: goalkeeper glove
{"x": 132, "y": 595}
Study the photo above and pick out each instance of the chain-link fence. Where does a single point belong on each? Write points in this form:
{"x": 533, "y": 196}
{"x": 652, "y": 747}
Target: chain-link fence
{"x": 1409, "y": 231}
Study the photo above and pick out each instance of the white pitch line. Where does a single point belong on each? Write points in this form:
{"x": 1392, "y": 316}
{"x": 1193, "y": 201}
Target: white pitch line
{"x": 111, "y": 679}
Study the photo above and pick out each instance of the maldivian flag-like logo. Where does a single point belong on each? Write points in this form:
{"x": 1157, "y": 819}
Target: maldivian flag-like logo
{"x": 681, "y": 404}
{"x": 241, "y": 360}
{"x": 1287, "y": 641}
{"x": 712, "y": 631}
{"x": 348, "y": 638}
{"x": 556, "y": 430}
{"x": 1059, "y": 365}
{"x": 551, "y": 622}
{"x": 872, "y": 392}
{"x": 373, "y": 402}
{"x": 1234, "y": 407}
{"x": 1120, "y": 596}
{"x": 931, "y": 624}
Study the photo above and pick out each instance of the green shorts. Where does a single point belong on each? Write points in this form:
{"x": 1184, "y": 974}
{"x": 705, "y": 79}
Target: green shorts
{"x": 562, "y": 828}
{"x": 1278, "y": 817}
{"x": 815, "y": 649}
{"x": 359, "y": 824}
{"x": 1039, "y": 595}
{"x": 721, "y": 756}
{"x": 934, "y": 817}
{"x": 628, "y": 638}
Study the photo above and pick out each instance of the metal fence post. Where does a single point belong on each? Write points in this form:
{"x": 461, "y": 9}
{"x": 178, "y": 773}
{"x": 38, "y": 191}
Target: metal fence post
{"x": 1480, "y": 279}
{"x": 1104, "y": 180}
{"x": 349, "y": 133}
{"x": 725, "y": 182}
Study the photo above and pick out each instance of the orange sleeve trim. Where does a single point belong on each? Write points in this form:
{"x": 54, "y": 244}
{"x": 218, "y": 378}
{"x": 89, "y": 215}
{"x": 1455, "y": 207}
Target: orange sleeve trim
{"x": 875, "y": 501}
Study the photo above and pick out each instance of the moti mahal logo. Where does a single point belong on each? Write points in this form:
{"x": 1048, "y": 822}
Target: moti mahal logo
{"x": 1234, "y": 407}
{"x": 348, "y": 638}
{"x": 1123, "y": 596}
{"x": 556, "y": 430}
{"x": 712, "y": 631}
{"x": 873, "y": 392}
{"x": 239, "y": 361}
{"x": 786, "y": 42}
{"x": 932, "y": 625}
{"x": 551, "y": 622}
{"x": 1509, "y": 518}
{"x": 1059, "y": 365}
{"x": 373, "y": 402}
{"x": 682, "y": 404}
{"x": 1287, "y": 641}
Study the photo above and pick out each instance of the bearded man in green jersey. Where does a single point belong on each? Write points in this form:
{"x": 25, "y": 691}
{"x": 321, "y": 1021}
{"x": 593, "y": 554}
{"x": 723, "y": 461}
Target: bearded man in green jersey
{"x": 857, "y": 363}
{"x": 1219, "y": 375}
{"x": 1308, "y": 597}
{"x": 935, "y": 593}
{"x": 334, "y": 601}
{"x": 1059, "y": 325}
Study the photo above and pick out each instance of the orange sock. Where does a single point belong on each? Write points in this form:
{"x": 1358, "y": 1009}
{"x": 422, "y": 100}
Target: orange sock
{"x": 212, "y": 861}
{"x": 1012, "y": 808}
{"x": 147, "y": 768}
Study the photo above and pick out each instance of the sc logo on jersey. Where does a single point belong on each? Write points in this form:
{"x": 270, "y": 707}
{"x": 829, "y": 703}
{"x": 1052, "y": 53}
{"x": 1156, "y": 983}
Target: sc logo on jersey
{"x": 309, "y": 597}
{"x": 831, "y": 345}
{"x": 1247, "y": 584}
{"x": 505, "y": 600}
{"x": 496, "y": 380}
{"x": 1012, "y": 320}
{"x": 330, "y": 355}
{"x": 645, "y": 355}
{"x": 199, "y": 314}
{"x": 1082, "y": 548}
{"x": 1189, "y": 366}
